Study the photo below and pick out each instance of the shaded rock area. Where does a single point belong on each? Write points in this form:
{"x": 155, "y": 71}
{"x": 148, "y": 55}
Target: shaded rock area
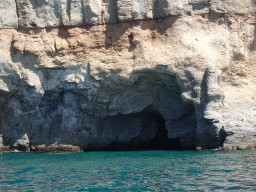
{"x": 150, "y": 114}
{"x": 127, "y": 75}
{"x": 151, "y": 135}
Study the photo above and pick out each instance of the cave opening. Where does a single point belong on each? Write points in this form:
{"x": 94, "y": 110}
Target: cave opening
{"x": 151, "y": 116}
{"x": 153, "y": 136}
{"x": 160, "y": 141}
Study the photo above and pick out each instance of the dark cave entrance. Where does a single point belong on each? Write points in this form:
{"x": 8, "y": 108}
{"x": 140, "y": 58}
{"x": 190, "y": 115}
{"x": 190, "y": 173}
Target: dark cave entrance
{"x": 153, "y": 136}
{"x": 160, "y": 141}
{"x": 165, "y": 121}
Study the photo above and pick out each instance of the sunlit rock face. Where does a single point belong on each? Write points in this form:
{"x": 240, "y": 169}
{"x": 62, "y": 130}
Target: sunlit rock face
{"x": 127, "y": 75}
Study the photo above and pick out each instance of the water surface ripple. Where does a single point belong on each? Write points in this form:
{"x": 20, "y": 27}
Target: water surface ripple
{"x": 129, "y": 171}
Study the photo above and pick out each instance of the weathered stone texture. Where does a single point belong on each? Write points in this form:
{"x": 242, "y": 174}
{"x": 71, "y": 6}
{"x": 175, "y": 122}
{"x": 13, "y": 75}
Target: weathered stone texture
{"x": 8, "y": 14}
{"x": 59, "y": 13}
{"x": 233, "y": 6}
{"x": 94, "y": 85}
{"x": 97, "y": 85}
{"x": 39, "y": 14}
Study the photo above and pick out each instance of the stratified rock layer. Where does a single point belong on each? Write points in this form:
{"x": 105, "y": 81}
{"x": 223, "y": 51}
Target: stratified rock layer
{"x": 64, "y": 89}
{"x": 59, "y": 13}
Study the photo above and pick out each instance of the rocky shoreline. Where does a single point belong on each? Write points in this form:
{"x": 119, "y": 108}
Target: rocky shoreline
{"x": 81, "y": 75}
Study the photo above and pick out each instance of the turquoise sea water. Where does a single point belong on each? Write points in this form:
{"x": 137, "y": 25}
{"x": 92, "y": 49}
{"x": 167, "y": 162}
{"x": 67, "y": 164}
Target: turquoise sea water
{"x": 129, "y": 171}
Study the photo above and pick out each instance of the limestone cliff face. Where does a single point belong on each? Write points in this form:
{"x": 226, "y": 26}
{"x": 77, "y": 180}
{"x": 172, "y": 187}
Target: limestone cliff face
{"x": 93, "y": 73}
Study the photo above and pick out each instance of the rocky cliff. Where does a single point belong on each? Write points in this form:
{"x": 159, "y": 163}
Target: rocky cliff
{"x": 127, "y": 74}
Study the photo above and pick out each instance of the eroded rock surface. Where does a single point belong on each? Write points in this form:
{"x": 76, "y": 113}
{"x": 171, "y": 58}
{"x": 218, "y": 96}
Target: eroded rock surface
{"x": 186, "y": 78}
{"x": 59, "y": 13}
